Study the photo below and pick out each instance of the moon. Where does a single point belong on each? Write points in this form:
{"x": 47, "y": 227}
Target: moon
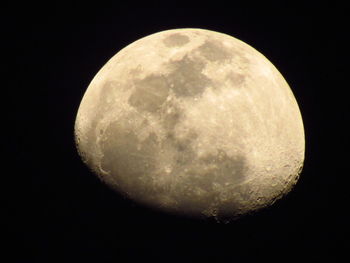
{"x": 192, "y": 122}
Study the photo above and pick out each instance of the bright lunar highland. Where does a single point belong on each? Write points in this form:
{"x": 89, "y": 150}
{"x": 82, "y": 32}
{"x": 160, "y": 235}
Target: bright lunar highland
{"x": 192, "y": 122}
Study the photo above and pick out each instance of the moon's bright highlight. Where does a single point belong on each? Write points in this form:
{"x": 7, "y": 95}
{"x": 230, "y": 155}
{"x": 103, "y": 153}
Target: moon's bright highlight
{"x": 194, "y": 122}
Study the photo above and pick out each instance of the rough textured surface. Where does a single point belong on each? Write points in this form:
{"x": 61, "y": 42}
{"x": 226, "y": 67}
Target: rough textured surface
{"x": 194, "y": 122}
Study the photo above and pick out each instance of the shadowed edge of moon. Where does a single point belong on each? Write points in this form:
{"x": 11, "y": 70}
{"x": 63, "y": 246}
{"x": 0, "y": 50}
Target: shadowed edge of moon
{"x": 197, "y": 182}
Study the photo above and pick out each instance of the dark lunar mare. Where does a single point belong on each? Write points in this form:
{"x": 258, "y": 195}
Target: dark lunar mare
{"x": 176, "y": 40}
{"x": 129, "y": 161}
{"x": 133, "y": 163}
{"x": 215, "y": 51}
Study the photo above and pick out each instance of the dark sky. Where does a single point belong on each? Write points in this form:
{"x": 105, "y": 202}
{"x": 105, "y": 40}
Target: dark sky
{"x": 56, "y": 210}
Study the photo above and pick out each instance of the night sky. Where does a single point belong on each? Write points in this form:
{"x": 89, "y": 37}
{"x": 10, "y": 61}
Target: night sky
{"x": 56, "y": 210}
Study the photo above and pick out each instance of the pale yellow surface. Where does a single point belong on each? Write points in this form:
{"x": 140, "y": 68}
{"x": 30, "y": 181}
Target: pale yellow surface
{"x": 192, "y": 121}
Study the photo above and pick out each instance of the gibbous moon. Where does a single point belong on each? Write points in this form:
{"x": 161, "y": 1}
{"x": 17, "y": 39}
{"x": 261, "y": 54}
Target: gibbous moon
{"x": 192, "y": 122}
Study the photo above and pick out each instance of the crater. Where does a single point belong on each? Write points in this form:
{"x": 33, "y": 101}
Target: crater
{"x": 209, "y": 180}
{"x": 149, "y": 93}
{"x": 222, "y": 169}
{"x": 226, "y": 169}
{"x": 187, "y": 79}
{"x": 214, "y": 50}
{"x": 102, "y": 106}
{"x": 176, "y": 40}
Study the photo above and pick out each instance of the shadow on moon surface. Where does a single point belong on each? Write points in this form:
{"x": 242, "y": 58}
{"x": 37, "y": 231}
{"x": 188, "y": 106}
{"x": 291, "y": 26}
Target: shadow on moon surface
{"x": 193, "y": 185}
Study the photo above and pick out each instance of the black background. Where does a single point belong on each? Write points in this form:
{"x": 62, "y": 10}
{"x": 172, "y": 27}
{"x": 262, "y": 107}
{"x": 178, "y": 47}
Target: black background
{"x": 58, "y": 211}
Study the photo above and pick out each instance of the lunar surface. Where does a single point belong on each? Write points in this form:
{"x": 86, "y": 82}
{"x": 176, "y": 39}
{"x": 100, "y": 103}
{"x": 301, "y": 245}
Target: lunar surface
{"x": 192, "y": 122}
